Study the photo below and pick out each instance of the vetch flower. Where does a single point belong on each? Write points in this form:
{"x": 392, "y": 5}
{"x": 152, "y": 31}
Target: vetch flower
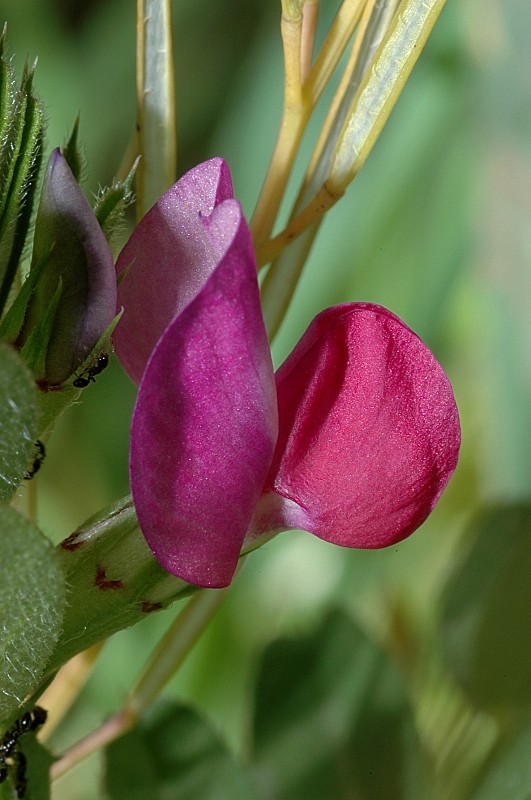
{"x": 354, "y": 439}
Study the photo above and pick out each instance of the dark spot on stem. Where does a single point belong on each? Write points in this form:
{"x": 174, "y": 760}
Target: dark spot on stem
{"x": 70, "y": 542}
{"x": 102, "y": 583}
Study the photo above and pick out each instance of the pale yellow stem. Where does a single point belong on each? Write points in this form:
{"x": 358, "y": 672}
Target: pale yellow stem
{"x": 333, "y": 47}
{"x": 310, "y": 215}
{"x": 340, "y": 93}
{"x": 294, "y": 119}
{"x": 66, "y": 686}
{"x": 310, "y": 13}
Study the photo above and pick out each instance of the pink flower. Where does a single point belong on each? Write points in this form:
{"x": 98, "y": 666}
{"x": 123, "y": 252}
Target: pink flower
{"x": 353, "y": 440}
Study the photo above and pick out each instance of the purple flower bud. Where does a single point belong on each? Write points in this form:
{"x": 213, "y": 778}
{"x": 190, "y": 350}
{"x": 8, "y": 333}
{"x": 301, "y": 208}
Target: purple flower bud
{"x": 76, "y": 254}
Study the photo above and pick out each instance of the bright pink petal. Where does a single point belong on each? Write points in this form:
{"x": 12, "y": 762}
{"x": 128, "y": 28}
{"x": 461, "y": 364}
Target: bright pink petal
{"x": 205, "y": 422}
{"x": 166, "y": 262}
{"x": 369, "y": 431}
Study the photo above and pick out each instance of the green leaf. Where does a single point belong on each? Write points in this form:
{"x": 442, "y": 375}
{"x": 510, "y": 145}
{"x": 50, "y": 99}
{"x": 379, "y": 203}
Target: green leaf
{"x": 174, "y": 753}
{"x": 32, "y": 598}
{"x": 509, "y": 772}
{"x": 7, "y": 95}
{"x": 333, "y": 719}
{"x": 486, "y": 608}
{"x": 18, "y": 421}
{"x": 25, "y": 148}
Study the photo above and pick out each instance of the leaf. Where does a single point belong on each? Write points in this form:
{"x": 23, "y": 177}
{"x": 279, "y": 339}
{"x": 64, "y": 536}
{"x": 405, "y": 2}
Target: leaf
{"x": 21, "y": 178}
{"x": 174, "y": 753}
{"x": 486, "y": 608}
{"x": 332, "y": 719}
{"x": 509, "y": 771}
{"x": 18, "y": 420}
{"x": 32, "y": 597}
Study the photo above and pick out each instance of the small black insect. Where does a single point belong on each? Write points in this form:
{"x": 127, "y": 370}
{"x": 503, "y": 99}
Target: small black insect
{"x": 40, "y": 455}
{"x": 12, "y": 760}
{"x": 89, "y": 374}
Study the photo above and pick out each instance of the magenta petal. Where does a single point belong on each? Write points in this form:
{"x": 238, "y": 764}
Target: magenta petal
{"x": 369, "y": 431}
{"x": 205, "y": 421}
{"x": 166, "y": 261}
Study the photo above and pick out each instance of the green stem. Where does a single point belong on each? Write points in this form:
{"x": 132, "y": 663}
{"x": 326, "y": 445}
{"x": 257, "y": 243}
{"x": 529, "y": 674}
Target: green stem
{"x": 155, "y": 102}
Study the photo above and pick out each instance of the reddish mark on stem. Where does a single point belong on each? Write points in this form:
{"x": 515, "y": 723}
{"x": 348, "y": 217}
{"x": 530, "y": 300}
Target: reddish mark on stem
{"x": 148, "y": 606}
{"x": 102, "y": 583}
{"x": 70, "y": 542}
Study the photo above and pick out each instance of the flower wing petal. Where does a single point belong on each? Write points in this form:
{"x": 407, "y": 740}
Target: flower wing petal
{"x": 205, "y": 422}
{"x": 166, "y": 261}
{"x": 369, "y": 431}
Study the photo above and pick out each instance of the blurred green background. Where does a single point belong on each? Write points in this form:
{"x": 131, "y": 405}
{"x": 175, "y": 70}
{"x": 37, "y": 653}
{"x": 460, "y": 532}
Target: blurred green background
{"x": 436, "y": 227}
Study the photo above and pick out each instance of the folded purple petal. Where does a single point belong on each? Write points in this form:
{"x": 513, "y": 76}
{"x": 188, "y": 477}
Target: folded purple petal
{"x": 166, "y": 261}
{"x": 369, "y": 431}
{"x": 205, "y": 422}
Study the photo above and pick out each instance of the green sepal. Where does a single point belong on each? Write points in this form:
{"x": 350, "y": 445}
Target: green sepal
{"x": 73, "y": 154}
{"x": 112, "y": 202}
{"x": 103, "y": 345}
{"x": 113, "y": 578}
{"x": 53, "y": 400}
{"x": 16, "y": 200}
{"x": 36, "y": 346}
{"x": 12, "y": 322}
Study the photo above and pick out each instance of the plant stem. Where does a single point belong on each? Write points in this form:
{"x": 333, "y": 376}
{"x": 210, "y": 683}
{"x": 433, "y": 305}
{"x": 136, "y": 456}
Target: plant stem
{"x": 155, "y": 102}
{"x": 295, "y": 116}
{"x": 166, "y": 659}
{"x": 310, "y": 13}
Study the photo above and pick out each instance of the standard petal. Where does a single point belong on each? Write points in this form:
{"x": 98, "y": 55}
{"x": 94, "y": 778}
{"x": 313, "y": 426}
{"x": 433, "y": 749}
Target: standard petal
{"x": 166, "y": 262}
{"x": 369, "y": 431}
{"x": 205, "y": 422}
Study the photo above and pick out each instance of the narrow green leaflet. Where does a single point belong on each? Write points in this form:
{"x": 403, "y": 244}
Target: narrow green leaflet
{"x": 333, "y": 719}
{"x": 174, "y": 753}
{"x": 486, "y": 611}
{"x": 32, "y": 597}
{"x": 73, "y": 154}
{"x": 19, "y": 177}
{"x": 18, "y": 421}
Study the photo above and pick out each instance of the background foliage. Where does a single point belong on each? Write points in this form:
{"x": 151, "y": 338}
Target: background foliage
{"x": 436, "y": 227}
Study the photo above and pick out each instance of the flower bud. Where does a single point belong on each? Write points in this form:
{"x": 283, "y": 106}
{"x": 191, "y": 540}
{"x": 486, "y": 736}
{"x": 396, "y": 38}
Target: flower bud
{"x": 77, "y": 274}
